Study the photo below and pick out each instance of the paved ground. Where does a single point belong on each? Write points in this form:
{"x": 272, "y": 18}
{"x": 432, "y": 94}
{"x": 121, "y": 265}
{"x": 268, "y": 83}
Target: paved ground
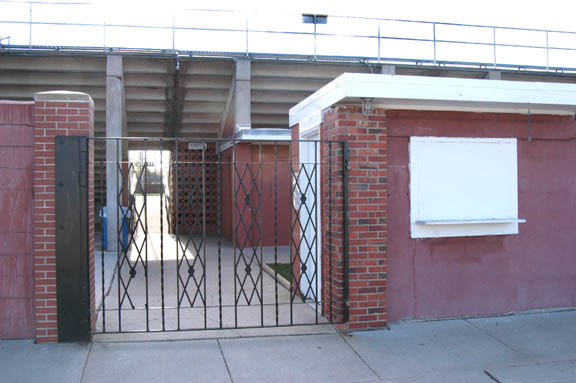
{"x": 523, "y": 348}
{"x": 209, "y": 283}
{"x": 212, "y": 277}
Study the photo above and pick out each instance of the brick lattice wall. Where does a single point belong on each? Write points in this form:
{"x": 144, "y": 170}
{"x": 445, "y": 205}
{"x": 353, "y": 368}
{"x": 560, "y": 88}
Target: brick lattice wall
{"x": 187, "y": 210}
{"x": 56, "y": 114}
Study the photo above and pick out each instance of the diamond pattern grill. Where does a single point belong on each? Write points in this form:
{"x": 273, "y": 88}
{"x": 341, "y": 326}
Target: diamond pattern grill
{"x": 248, "y": 262}
{"x": 305, "y": 249}
{"x": 224, "y": 224}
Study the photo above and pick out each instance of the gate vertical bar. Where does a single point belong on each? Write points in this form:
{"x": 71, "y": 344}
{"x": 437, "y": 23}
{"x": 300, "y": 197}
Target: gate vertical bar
{"x": 316, "y": 227}
{"x": 204, "y": 148}
{"x": 103, "y": 279}
{"x": 345, "y": 239}
{"x": 260, "y": 229}
{"x": 330, "y": 201}
{"x": 276, "y": 228}
{"x": 218, "y": 230}
{"x": 120, "y": 247}
{"x": 235, "y": 201}
{"x": 162, "y": 233}
{"x": 291, "y": 238}
{"x": 144, "y": 191}
{"x": 177, "y": 219}
{"x": 86, "y": 281}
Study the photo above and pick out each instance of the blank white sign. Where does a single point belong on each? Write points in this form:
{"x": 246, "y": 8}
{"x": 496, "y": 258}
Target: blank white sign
{"x": 463, "y": 186}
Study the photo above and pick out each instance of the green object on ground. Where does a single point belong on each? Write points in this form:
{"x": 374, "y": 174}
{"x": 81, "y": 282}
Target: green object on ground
{"x": 283, "y": 269}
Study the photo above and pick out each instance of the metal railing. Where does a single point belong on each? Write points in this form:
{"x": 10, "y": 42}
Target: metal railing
{"x": 32, "y": 25}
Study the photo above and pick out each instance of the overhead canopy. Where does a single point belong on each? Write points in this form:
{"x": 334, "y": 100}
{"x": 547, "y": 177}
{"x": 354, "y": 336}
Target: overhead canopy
{"x": 433, "y": 93}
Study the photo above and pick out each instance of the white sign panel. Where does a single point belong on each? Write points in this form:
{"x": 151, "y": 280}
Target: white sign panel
{"x": 463, "y": 186}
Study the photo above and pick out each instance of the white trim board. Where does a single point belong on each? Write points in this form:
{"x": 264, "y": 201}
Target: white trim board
{"x": 433, "y": 93}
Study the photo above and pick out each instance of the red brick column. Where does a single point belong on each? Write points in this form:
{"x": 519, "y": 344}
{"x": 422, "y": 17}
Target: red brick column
{"x": 58, "y": 113}
{"x": 367, "y": 214}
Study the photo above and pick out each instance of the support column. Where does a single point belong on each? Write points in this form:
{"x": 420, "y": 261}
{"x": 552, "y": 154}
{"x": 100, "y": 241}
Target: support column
{"x": 358, "y": 253}
{"x": 388, "y": 69}
{"x": 115, "y": 127}
{"x": 242, "y": 96}
{"x": 59, "y": 113}
{"x": 494, "y": 75}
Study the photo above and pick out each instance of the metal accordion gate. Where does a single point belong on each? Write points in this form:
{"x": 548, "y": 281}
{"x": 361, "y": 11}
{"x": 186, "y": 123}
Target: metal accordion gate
{"x": 197, "y": 234}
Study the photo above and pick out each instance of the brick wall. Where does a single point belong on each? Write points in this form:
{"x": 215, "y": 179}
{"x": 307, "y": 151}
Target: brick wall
{"x": 367, "y": 214}
{"x": 16, "y": 260}
{"x": 55, "y": 114}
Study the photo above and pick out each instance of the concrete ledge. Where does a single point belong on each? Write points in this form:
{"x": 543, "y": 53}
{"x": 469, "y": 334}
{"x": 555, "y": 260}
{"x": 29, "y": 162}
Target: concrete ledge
{"x": 10, "y": 102}
{"x": 154, "y": 336}
{"x": 63, "y": 95}
{"x": 16, "y": 113}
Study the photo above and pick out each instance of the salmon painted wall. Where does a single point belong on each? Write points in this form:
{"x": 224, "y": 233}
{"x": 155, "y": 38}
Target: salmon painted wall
{"x": 268, "y": 194}
{"x": 227, "y": 194}
{"x": 246, "y": 154}
{"x": 467, "y": 276}
{"x": 16, "y": 258}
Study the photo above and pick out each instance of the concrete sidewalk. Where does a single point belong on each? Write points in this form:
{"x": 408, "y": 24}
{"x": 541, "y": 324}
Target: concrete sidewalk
{"x": 523, "y": 348}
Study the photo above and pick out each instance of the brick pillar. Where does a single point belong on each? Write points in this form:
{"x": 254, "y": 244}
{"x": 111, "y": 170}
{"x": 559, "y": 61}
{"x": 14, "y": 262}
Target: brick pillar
{"x": 367, "y": 214}
{"x": 58, "y": 113}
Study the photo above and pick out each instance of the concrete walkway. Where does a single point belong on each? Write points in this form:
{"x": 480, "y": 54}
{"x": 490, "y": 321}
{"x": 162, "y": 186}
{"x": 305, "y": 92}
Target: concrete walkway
{"x": 215, "y": 290}
{"x": 523, "y": 348}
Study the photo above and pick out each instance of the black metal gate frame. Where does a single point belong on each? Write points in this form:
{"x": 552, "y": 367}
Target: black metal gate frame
{"x": 247, "y": 254}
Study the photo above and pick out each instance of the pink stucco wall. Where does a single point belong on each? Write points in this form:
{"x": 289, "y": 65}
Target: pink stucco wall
{"x": 451, "y": 277}
{"x": 250, "y": 154}
{"x": 16, "y": 260}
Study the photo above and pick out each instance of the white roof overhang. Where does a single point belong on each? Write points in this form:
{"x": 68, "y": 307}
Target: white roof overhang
{"x": 433, "y": 93}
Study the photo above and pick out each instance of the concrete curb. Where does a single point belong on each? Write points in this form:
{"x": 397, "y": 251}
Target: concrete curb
{"x": 270, "y": 271}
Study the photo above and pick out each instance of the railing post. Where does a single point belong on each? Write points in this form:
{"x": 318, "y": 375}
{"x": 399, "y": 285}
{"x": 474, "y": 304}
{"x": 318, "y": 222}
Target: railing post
{"x": 104, "y": 31}
{"x": 494, "y": 44}
{"x": 379, "y": 55}
{"x": 247, "y": 33}
{"x": 314, "y": 39}
{"x": 173, "y": 34}
{"x": 547, "y": 53}
{"x": 434, "y": 40}
{"x": 30, "y": 28}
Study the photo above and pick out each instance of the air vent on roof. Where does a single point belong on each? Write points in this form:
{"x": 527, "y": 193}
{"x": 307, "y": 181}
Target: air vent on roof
{"x": 314, "y": 19}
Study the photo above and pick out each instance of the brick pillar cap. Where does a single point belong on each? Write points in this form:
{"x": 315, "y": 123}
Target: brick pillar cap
{"x": 63, "y": 95}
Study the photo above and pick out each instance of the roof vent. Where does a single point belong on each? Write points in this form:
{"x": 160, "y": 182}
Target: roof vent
{"x": 309, "y": 18}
